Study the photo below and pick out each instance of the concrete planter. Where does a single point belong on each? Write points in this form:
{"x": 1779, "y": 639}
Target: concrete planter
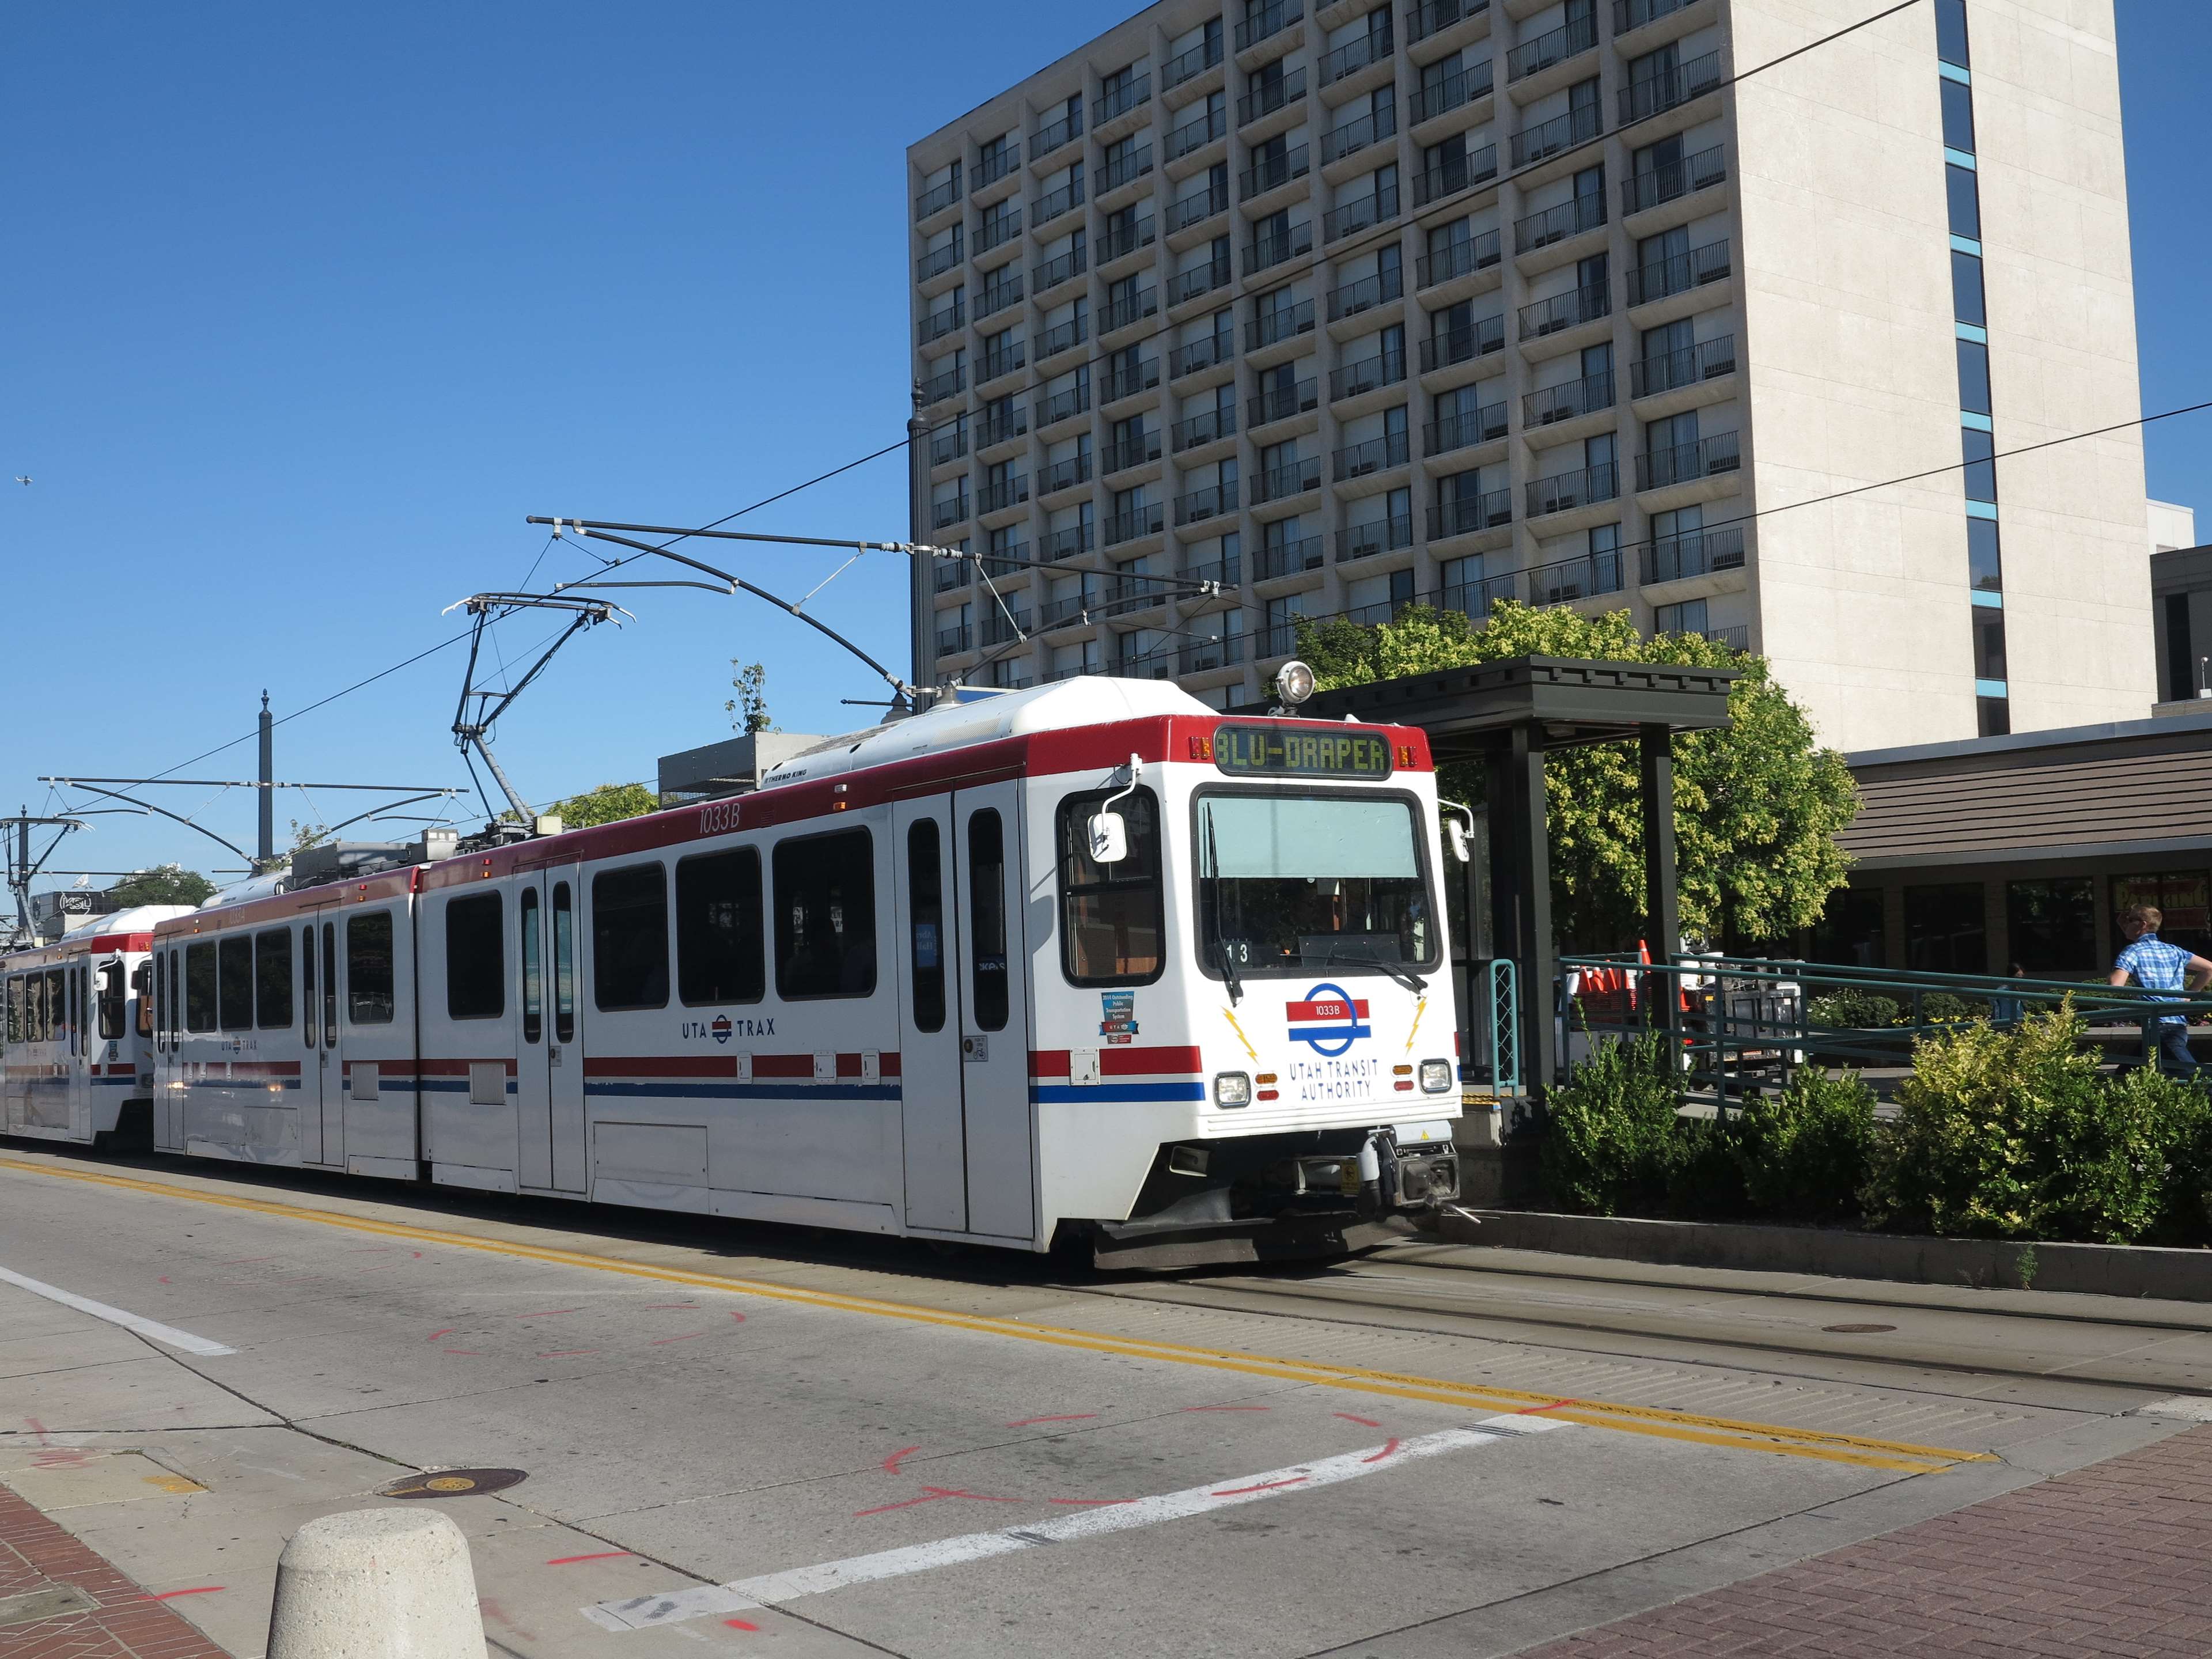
{"x": 2134, "y": 1270}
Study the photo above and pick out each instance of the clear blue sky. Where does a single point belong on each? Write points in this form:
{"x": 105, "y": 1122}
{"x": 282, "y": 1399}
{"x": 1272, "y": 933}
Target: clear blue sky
{"x": 307, "y": 306}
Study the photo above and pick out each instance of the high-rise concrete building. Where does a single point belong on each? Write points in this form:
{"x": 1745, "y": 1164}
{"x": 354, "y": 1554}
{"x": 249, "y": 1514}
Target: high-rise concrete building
{"x": 1347, "y": 306}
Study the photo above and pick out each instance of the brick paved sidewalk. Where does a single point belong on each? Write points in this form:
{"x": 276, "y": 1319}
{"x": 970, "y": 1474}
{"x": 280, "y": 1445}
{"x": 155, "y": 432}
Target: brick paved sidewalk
{"x": 121, "y": 1621}
{"x": 2115, "y": 1558}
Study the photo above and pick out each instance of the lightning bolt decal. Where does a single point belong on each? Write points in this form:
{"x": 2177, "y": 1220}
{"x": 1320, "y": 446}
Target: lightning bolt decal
{"x": 1420, "y": 1008}
{"x": 1241, "y": 1037}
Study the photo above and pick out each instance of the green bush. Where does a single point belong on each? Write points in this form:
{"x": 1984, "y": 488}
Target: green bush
{"x": 1946, "y": 1007}
{"x": 1610, "y": 1127}
{"x": 1704, "y": 1174}
{"x": 1853, "y": 1011}
{"x": 1803, "y": 1153}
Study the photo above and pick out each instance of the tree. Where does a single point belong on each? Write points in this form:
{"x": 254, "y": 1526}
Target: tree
{"x": 1757, "y": 807}
{"x": 168, "y": 883}
{"x": 608, "y": 804}
{"x": 305, "y": 836}
{"x": 748, "y": 710}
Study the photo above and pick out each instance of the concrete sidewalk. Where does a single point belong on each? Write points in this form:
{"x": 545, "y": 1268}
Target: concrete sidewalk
{"x": 59, "y": 1599}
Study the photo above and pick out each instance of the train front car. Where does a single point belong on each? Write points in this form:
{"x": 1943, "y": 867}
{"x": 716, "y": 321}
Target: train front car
{"x": 1248, "y": 1050}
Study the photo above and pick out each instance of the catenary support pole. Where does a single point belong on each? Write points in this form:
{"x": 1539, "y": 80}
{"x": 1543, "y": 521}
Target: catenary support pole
{"x": 265, "y": 846}
{"x": 921, "y": 575}
{"x": 395, "y": 1584}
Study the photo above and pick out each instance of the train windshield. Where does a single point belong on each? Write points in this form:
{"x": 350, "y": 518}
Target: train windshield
{"x": 1298, "y": 883}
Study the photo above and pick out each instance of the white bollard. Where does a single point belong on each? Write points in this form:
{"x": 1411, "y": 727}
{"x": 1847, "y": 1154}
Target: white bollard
{"x": 376, "y": 1584}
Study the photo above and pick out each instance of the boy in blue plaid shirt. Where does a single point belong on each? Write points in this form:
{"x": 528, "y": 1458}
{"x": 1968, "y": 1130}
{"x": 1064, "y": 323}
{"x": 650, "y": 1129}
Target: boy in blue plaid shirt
{"x": 2158, "y": 966}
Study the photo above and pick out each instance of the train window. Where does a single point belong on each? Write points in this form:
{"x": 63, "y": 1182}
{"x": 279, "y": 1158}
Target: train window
{"x": 533, "y": 969}
{"x": 629, "y": 937}
{"x": 234, "y": 971}
{"x": 1293, "y": 883}
{"x": 57, "y": 1019}
{"x": 718, "y": 957}
{"x": 476, "y": 957}
{"x": 111, "y": 1001}
{"x": 369, "y": 981}
{"x": 16, "y": 1008}
{"x": 330, "y": 985}
{"x": 925, "y": 887}
{"x": 986, "y": 918}
{"x": 1112, "y": 915}
{"x": 199, "y": 986}
{"x": 825, "y": 916}
{"x": 142, "y": 985}
{"x": 176, "y": 993}
{"x": 34, "y": 991}
{"x": 307, "y": 984}
{"x": 272, "y": 979}
{"x": 564, "y": 965}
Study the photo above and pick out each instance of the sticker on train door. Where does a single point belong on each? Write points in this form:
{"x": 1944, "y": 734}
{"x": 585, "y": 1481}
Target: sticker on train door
{"x": 1119, "y": 1012}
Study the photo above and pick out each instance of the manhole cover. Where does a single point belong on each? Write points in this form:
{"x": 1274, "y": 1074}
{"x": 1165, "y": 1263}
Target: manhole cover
{"x": 454, "y": 1483}
{"x": 1857, "y": 1330}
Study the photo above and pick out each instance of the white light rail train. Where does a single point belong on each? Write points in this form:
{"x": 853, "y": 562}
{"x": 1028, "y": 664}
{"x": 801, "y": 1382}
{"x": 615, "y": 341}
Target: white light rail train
{"x": 1090, "y": 967}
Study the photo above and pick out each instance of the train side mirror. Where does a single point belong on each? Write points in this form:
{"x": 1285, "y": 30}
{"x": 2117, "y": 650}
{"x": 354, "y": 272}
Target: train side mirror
{"x": 1461, "y": 841}
{"x": 1109, "y": 838}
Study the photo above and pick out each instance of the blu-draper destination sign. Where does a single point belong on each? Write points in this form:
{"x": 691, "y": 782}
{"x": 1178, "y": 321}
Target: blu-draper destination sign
{"x": 1272, "y": 752}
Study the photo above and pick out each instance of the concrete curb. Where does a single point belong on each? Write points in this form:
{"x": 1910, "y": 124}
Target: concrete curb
{"x": 391, "y": 1582}
{"x": 2131, "y": 1270}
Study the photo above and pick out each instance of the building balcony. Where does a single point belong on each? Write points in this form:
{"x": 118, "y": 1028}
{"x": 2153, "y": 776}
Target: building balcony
{"x": 936, "y": 263}
{"x": 1533, "y": 57}
{"x": 1198, "y": 354}
{"x": 995, "y": 427}
{"x": 953, "y": 641}
{"x": 1656, "y": 93}
{"x": 990, "y": 168}
{"x": 1548, "y": 138}
{"x": 1566, "y": 311}
{"x": 1457, "y": 259}
{"x": 1057, "y": 544}
{"x": 1195, "y": 135}
{"x": 1210, "y": 502}
{"x": 1134, "y": 591}
{"x": 1047, "y": 139}
{"x": 1269, "y": 173}
{"x": 950, "y": 511}
{"x": 1355, "y": 216}
{"x": 1137, "y": 449}
{"x": 996, "y": 228}
{"x": 1367, "y": 374}
{"x": 1291, "y": 558}
{"x": 947, "y": 444}
{"x": 1367, "y": 292}
{"x": 1196, "y": 208}
{"x": 1701, "y": 553}
{"x": 1562, "y": 492}
{"x": 1139, "y": 521}
{"x": 1075, "y": 672}
{"x": 937, "y": 198}
{"x": 1365, "y": 541}
{"x": 1556, "y": 224}
{"x": 945, "y": 383}
{"x": 1005, "y": 626}
{"x": 947, "y": 575}
{"x": 1280, "y": 639}
{"x": 1125, "y": 169}
{"x": 945, "y": 319}
{"x": 1433, "y": 16}
{"x": 1120, "y": 101}
{"x": 1454, "y": 174}
{"x": 1635, "y": 14}
{"x": 1205, "y": 656}
{"x": 1580, "y": 578}
{"x": 1158, "y": 664}
{"x": 1053, "y": 203}
{"x": 1188, "y": 285}
{"x": 1280, "y": 402}
{"x": 1282, "y": 323}
{"x": 999, "y": 296}
{"x": 1007, "y": 492}
{"x": 1005, "y": 360}
{"x": 1354, "y": 136}
{"x": 1707, "y": 360}
{"x": 1057, "y": 475}
{"x": 1645, "y": 191}
{"x": 1265, "y": 252}
{"x": 1465, "y": 515}
{"x": 1118, "y": 240}
{"x": 1459, "y": 346}
{"x": 1475, "y": 600}
{"x": 1269, "y": 96}
{"x": 1568, "y": 402}
{"x": 1663, "y": 279}
{"x": 1061, "y": 613}
{"x": 1263, "y": 21}
{"x": 1375, "y": 455}
{"x": 1207, "y": 426}
{"x": 1686, "y": 463}
{"x": 1454, "y": 91}
{"x": 1227, "y": 573}
{"x": 1737, "y": 638}
{"x": 1062, "y": 337}
{"x": 1063, "y": 405}
{"x": 1129, "y": 308}
{"x": 1053, "y": 272}
{"x": 1185, "y": 65}
{"x": 1375, "y": 46}
{"x": 1128, "y": 379}
{"x": 1464, "y": 430}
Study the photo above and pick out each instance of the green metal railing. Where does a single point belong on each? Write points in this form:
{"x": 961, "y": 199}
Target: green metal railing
{"x": 1746, "y": 1023}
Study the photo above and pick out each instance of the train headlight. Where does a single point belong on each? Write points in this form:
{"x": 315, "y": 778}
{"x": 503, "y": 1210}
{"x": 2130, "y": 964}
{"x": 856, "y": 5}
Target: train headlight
{"x": 1294, "y": 682}
{"x": 1436, "y": 1076}
{"x": 1231, "y": 1089}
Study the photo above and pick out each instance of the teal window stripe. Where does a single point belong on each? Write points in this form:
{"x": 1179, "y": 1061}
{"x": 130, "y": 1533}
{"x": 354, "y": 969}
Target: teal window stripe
{"x": 1960, "y": 158}
{"x": 1981, "y": 509}
{"x": 1953, "y": 72}
{"x": 1982, "y": 596}
{"x": 1990, "y": 688}
{"x": 1979, "y": 423}
{"x": 1966, "y": 244}
{"x": 1974, "y": 332}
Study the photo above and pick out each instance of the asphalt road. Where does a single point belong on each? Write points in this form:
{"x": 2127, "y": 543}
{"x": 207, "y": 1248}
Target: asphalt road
{"x": 763, "y": 1440}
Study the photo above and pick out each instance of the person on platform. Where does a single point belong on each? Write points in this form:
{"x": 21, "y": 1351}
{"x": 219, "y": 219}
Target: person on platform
{"x": 2165, "y": 969}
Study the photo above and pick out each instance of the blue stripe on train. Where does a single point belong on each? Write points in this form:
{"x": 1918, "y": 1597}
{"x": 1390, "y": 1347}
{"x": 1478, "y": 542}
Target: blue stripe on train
{"x": 793, "y": 1089}
{"x": 1079, "y": 1093}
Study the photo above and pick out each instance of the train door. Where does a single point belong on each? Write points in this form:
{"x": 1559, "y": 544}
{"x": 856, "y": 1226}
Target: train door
{"x": 995, "y": 1008}
{"x": 548, "y": 1051}
{"x": 376, "y": 1041}
{"x": 933, "y": 1110}
{"x": 329, "y": 1073}
{"x": 82, "y": 1047}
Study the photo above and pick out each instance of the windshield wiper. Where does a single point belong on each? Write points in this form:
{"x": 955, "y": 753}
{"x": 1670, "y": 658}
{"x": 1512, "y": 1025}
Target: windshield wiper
{"x": 1405, "y": 975}
{"x": 1228, "y": 975}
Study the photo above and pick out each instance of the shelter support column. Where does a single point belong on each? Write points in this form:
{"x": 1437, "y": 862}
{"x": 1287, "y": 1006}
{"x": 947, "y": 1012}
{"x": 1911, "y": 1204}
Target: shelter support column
{"x": 1521, "y": 898}
{"x": 1663, "y": 930}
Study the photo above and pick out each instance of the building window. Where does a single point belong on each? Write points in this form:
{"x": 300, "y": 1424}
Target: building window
{"x": 1973, "y": 377}
{"x": 1951, "y": 31}
{"x": 1992, "y": 717}
{"x": 1967, "y": 302}
{"x": 1958, "y": 116}
{"x": 1849, "y": 933}
{"x": 2053, "y": 925}
{"x": 1966, "y": 202}
{"x": 1986, "y": 569}
{"x": 1944, "y": 929}
{"x": 1981, "y": 450}
{"x": 2179, "y": 897}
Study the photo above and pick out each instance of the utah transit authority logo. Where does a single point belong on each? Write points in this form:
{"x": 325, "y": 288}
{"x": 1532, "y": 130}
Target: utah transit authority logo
{"x": 1329, "y": 1021}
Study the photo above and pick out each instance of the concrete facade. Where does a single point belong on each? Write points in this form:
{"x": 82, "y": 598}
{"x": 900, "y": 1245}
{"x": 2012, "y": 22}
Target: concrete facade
{"x": 1354, "y": 306}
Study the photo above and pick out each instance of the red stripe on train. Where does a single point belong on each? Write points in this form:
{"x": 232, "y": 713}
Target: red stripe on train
{"x": 1130, "y": 1061}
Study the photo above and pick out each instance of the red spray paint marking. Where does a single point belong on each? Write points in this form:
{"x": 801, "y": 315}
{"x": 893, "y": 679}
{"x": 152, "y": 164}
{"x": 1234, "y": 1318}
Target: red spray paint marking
{"x": 1530, "y": 1411}
{"x": 545, "y": 1313}
{"x": 571, "y": 1560}
{"x": 738, "y": 1316}
{"x": 198, "y": 1590}
{"x": 567, "y": 1354}
{"x": 163, "y": 1279}
{"x": 1072, "y": 1417}
{"x": 740, "y": 1624}
{"x": 930, "y": 1495}
{"x": 1265, "y": 1485}
{"x": 435, "y": 1335}
{"x": 1363, "y": 1422}
{"x": 891, "y": 1463}
{"x": 1389, "y": 1447}
{"x": 687, "y": 1337}
{"x": 1230, "y": 1409}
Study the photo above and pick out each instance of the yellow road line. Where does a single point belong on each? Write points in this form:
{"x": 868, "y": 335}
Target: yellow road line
{"x": 1622, "y": 1418}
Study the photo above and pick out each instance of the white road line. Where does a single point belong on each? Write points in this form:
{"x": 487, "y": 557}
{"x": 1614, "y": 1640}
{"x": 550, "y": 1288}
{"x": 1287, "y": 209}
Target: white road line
{"x": 772, "y": 1589}
{"x": 169, "y": 1335}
